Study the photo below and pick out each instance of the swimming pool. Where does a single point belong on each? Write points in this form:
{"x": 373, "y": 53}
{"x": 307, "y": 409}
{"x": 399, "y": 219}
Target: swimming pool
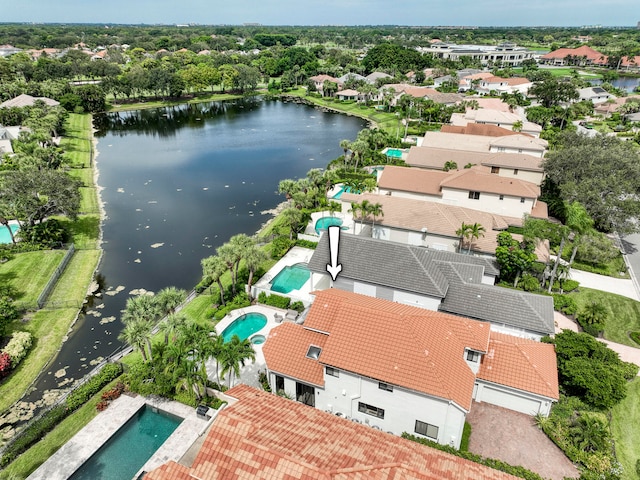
{"x": 130, "y": 447}
{"x": 244, "y": 326}
{"x": 325, "y": 222}
{"x": 290, "y": 278}
{"x": 341, "y": 191}
{"x": 4, "y": 232}
{"x": 394, "y": 153}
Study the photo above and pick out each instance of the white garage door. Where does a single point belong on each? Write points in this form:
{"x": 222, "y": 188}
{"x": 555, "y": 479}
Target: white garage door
{"x": 509, "y": 400}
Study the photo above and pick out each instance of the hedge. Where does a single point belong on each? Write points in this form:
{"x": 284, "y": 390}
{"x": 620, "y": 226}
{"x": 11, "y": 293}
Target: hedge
{"x": 18, "y": 347}
{"x": 48, "y": 421}
{"x": 274, "y": 300}
{"x": 489, "y": 462}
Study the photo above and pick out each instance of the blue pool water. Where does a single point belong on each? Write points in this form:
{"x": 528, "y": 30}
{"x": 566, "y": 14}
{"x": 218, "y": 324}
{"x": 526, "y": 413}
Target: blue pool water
{"x": 341, "y": 191}
{"x": 394, "y": 153}
{"x": 244, "y": 326}
{"x": 130, "y": 448}
{"x": 290, "y": 278}
{"x": 4, "y": 233}
{"x": 325, "y": 222}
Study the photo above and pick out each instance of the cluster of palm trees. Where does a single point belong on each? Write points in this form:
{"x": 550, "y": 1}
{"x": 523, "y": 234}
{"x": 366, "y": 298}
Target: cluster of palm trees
{"x": 469, "y": 232}
{"x": 367, "y": 143}
{"x": 364, "y": 210}
{"x": 239, "y": 249}
{"x": 179, "y": 361}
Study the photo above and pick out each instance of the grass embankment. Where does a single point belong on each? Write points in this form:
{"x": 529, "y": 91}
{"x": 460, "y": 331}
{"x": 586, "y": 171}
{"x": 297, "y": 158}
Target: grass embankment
{"x": 29, "y": 273}
{"x": 29, "y": 461}
{"x": 200, "y": 98}
{"x": 624, "y": 314}
{"x": 625, "y": 417}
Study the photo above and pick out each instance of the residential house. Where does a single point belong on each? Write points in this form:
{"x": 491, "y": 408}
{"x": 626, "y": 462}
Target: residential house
{"x": 475, "y": 188}
{"x": 612, "y": 105}
{"x": 428, "y": 224}
{"x": 318, "y": 81}
{"x": 501, "y": 85}
{"x": 498, "y": 118}
{"x": 373, "y": 77}
{"x": 630, "y": 63}
{"x": 470, "y": 82}
{"x": 262, "y": 433}
{"x": 8, "y": 50}
{"x": 581, "y": 56}
{"x": 504, "y": 54}
{"x": 35, "y": 54}
{"x": 25, "y": 100}
{"x": 418, "y": 276}
{"x": 401, "y": 368}
{"x": 348, "y": 94}
{"x": 400, "y": 89}
{"x": 7, "y": 134}
{"x": 475, "y": 143}
{"x": 595, "y": 94}
{"x": 350, "y": 77}
{"x": 525, "y": 167}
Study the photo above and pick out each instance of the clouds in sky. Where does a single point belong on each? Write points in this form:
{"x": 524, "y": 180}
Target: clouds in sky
{"x": 329, "y": 12}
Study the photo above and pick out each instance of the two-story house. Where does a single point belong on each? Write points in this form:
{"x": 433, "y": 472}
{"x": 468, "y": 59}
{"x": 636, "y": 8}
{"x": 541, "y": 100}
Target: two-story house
{"x": 404, "y": 369}
{"x": 518, "y": 143}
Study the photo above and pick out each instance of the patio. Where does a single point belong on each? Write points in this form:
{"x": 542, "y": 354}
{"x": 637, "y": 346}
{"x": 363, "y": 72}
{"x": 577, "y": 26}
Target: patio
{"x": 294, "y": 256}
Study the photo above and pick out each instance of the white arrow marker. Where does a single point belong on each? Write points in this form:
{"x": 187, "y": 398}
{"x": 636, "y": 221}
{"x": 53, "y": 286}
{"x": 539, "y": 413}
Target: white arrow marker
{"x": 334, "y": 268}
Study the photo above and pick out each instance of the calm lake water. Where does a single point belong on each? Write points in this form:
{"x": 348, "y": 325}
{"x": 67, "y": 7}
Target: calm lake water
{"x": 177, "y": 183}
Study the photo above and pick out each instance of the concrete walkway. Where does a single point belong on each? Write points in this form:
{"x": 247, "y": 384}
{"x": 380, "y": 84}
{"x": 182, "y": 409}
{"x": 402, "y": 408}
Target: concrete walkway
{"x": 620, "y": 286}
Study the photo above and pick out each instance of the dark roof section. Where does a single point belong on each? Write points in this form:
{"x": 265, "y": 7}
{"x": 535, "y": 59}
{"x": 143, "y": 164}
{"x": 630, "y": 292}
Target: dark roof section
{"x": 394, "y": 265}
{"x": 498, "y": 305}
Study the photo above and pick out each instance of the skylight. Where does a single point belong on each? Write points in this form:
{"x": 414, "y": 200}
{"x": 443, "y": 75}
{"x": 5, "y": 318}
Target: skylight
{"x": 313, "y": 352}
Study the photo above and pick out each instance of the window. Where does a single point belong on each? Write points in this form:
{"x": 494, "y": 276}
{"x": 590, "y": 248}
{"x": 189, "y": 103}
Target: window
{"x": 501, "y": 197}
{"x": 279, "y": 383}
{"x": 370, "y": 410}
{"x": 515, "y": 171}
{"x": 519, "y": 150}
{"x": 313, "y": 352}
{"x": 385, "y": 386}
{"x": 426, "y": 429}
{"x": 495, "y": 169}
{"x": 473, "y": 356}
{"x": 474, "y": 195}
{"x": 521, "y": 199}
{"x": 334, "y": 372}
{"x": 501, "y": 149}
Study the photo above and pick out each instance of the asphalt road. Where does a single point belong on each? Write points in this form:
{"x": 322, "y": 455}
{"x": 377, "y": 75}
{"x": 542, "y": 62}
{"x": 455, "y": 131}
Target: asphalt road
{"x": 631, "y": 246}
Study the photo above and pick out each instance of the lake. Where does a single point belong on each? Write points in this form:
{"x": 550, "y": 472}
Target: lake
{"x": 177, "y": 183}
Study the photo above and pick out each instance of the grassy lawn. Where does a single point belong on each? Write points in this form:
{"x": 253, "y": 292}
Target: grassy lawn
{"x": 624, "y": 317}
{"x": 211, "y": 97}
{"x": 568, "y": 71}
{"x": 71, "y": 288}
{"x": 84, "y": 231}
{"x": 26, "y": 463}
{"x": 197, "y": 308}
{"x": 625, "y": 417}
{"x": 77, "y": 140}
{"x": 48, "y": 327}
{"x": 29, "y": 272}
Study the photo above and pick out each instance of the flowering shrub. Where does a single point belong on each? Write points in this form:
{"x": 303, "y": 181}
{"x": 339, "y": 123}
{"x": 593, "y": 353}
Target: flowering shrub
{"x": 5, "y": 364}
{"x": 18, "y": 347}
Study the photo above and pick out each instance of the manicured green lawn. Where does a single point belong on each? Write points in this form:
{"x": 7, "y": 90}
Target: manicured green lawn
{"x": 47, "y": 327}
{"x": 197, "y": 308}
{"x": 212, "y": 97}
{"x": 624, "y": 317}
{"x": 29, "y": 272}
{"x": 84, "y": 231}
{"x": 567, "y": 72}
{"x": 625, "y": 418}
{"x": 77, "y": 140}
{"x": 71, "y": 288}
{"x": 30, "y": 460}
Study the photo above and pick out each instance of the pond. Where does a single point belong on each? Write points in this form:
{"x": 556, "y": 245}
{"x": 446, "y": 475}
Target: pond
{"x": 177, "y": 183}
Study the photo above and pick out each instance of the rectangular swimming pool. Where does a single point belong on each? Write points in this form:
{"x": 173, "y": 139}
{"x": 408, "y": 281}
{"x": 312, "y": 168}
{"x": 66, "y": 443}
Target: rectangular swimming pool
{"x": 130, "y": 447}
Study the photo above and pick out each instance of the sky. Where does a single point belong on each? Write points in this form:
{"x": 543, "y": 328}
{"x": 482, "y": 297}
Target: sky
{"x": 328, "y": 12}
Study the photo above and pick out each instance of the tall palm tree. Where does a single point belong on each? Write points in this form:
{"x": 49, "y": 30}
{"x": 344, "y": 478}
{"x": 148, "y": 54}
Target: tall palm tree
{"x": 462, "y": 233}
{"x": 474, "y": 232}
{"x": 254, "y": 256}
{"x": 292, "y": 217}
{"x": 190, "y": 377}
{"x": 355, "y": 211}
{"x": 138, "y": 335}
{"x": 359, "y": 147}
{"x": 376, "y": 211}
{"x": 345, "y": 145}
{"x": 242, "y": 243}
{"x": 141, "y": 307}
{"x": 214, "y": 267}
{"x": 365, "y": 209}
{"x": 235, "y": 354}
{"x": 229, "y": 254}
{"x": 288, "y": 187}
{"x": 172, "y": 325}
{"x": 579, "y": 222}
{"x": 169, "y": 299}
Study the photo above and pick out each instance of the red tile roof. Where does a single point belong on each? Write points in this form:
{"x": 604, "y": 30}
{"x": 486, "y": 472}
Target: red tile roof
{"x": 583, "y": 51}
{"x": 263, "y": 436}
{"x": 411, "y": 347}
{"x": 521, "y": 363}
{"x": 478, "y": 129}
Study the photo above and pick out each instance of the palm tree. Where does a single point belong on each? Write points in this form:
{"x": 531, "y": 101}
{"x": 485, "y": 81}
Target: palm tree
{"x": 355, "y": 209}
{"x": 462, "y": 233}
{"x": 214, "y": 267}
{"x": 292, "y": 217}
{"x": 172, "y": 325}
{"x": 229, "y": 254}
{"x": 138, "y": 334}
{"x": 190, "y": 377}
{"x": 242, "y": 243}
{"x": 345, "y": 145}
{"x": 475, "y": 231}
{"x": 358, "y": 148}
{"x": 288, "y": 187}
{"x": 142, "y": 307}
{"x": 579, "y": 222}
{"x": 375, "y": 210}
{"x": 254, "y": 256}
{"x": 234, "y": 355}
{"x": 169, "y": 299}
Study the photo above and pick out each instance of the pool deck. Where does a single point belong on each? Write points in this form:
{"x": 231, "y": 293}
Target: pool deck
{"x": 293, "y": 256}
{"x": 62, "y": 464}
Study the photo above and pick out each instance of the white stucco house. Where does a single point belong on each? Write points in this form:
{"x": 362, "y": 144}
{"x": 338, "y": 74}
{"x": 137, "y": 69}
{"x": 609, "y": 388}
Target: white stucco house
{"x": 402, "y": 369}
{"x": 517, "y": 143}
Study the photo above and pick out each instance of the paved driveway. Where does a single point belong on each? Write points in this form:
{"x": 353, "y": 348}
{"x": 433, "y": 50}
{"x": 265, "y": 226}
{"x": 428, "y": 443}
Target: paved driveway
{"x": 513, "y": 438}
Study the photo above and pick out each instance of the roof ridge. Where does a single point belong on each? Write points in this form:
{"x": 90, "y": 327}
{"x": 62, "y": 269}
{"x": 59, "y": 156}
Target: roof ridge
{"x": 427, "y": 273}
{"x": 534, "y": 366}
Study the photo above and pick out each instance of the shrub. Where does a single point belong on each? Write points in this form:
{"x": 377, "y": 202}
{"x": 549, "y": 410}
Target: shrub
{"x": 49, "y": 233}
{"x": 241, "y": 300}
{"x": 274, "y": 300}
{"x": 264, "y": 381}
{"x": 18, "y": 347}
{"x": 203, "y": 284}
{"x": 564, "y": 304}
{"x": 529, "y": 283}
{"x": 466, "y": 435}
{"x": 570, "y": 285}
{"x": 297, "y": 306}
{"x": 84, "y": 392}
{"x": 5, "y": 364}
{"x": 280, "y": 246}
{"x": 635, "y": 336}
{"x": 306, "y": 244}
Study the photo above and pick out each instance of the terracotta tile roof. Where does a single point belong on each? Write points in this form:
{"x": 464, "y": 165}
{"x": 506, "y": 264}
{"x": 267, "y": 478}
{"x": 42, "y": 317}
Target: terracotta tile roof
{"x": 582, "y": 51}
{"x": 25, "y": 100}
{"x": 412, "y": 180}
{"x": 480, "y": 181}
{"x": 493, "y": 104}
{"x": 323, "y": 77}
{"x": 435, "y": 158}
{"x": 630, "y": 61}
{"x": 415, "y": 348}
{"x": 511, "y": 81}
{"x": 520, "y": 161}
{"x": 540, "y": 210}
{"x": 263, "y": 436}
{"x": 485, "y": 130}
{"x": 438, "y": 218}
{"x": 520, "y": 141}
{"x": 521, "y": 363}
{"x": 478, "y": 76}
{"x": 290, "y": 357}
{"x": 478, "y": 143}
